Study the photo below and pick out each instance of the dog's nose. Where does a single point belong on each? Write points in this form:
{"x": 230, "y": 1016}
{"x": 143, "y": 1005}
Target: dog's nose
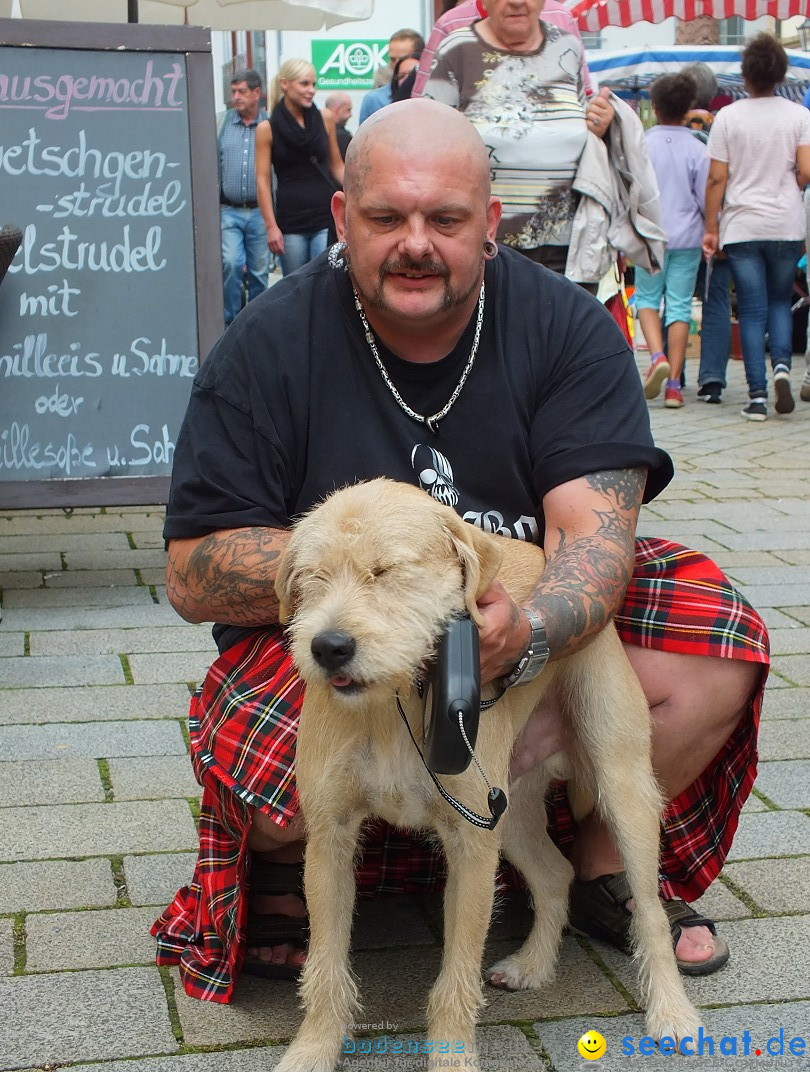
{"x": 332, "y": 650}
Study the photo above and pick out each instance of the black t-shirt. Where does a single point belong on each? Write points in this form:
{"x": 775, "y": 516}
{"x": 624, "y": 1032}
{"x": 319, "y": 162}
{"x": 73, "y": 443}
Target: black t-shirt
{"x": 290, "y": 405}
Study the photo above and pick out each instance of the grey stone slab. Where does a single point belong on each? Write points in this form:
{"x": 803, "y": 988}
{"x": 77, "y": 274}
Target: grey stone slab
{"x": 167, "y": 638}
{"x": 11, "y": 644}
{"x": 97, "y": 544}
{"x": 771, "y": 833}
{"x": 45, "y": 671}
{"x": 786, "y": 783}
{"x": 83, "y": 1016}
{"x": 20, "y": 579}
{"x": 31, "y": 560}
{"x": 790, "y": 641}
{"x": 122, "y": 596}
{"x": 154, "y": 880}
{"x": 97, "y": 740}
{"x": 801, "y": 614}
{"x": 59, "y": 941}
{"x": 499, "y": 1049}
{"x": 784, "y": 739}
{"x": 756, "y": 540}
{"x": 89, "y": 522}
{"x": 776, "y": 886}
{"x": 125, "y": 558}
{"x": 787, "y": 703}
{"x": 778, "y": 618}
{"x": 762, "y": 1022}
{"x": 56, "y": 884}
{"x": 147, "y": 615}
{"x": 55, "y": 781}
{"x": 755, "y": 804}
{"x": 746, "y": 577}
{"x": 719, "y": 903}
{"x": 795, "y": 668}
{"x": 101, "y": 703}
{"x": 6, "y": 947}
{"x": 766, "y": 964}
{"x": 95, "y": 829}
{"x": 90, "y": 579}
{"x": 152, "y": 669}
{"x": 153, "y": 778}
{"x": 776, "y": 595}
{"x": 255, "y": 1059}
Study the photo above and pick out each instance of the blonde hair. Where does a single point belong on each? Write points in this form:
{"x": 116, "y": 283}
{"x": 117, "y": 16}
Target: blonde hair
{"x": 289, "y": 71}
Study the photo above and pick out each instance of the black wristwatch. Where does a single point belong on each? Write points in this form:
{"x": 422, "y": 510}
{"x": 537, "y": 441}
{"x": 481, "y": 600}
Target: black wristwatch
{"x": 534, "y": 658}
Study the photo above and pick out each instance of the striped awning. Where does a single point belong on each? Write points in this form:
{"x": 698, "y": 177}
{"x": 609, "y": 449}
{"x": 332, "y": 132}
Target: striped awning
{"x": 596, "y": 14}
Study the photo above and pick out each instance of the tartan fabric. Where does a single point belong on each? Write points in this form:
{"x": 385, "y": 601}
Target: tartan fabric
{"x": 243, "y": 723}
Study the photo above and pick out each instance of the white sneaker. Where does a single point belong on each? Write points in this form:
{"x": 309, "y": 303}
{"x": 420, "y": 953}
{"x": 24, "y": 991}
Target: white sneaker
{"x": 784, "y": 396}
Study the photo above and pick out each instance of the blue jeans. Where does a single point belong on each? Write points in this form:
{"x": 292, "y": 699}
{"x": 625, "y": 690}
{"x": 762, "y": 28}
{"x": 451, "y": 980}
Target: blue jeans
{"x": 300, "y": 248}
{"x": 244, "y": 245}
{"x": 715, "y": 329}
{"x": 763, "y": 272}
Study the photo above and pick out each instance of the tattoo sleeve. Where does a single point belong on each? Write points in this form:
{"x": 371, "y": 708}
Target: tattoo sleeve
{"x": 587, "y": 572}
{"x": 227, "y": 577}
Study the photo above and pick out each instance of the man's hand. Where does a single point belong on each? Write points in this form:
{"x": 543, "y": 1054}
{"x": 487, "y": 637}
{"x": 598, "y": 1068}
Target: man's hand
{"x": 505, "y": 634}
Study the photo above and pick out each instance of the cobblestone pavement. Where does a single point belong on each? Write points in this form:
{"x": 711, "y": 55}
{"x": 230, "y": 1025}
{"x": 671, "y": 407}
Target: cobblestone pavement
{"x": 97, "y": 802}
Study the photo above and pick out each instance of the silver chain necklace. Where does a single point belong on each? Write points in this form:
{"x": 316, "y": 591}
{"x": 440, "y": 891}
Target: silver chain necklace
{"x": 433, "y": 421}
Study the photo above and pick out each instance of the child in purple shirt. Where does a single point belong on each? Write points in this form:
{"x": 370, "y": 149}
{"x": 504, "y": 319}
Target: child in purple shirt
{"x": 681, "y": 167}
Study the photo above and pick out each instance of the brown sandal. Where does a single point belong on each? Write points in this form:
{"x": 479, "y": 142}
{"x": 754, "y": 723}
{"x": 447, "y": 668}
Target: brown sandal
{"x": 275, "y": 879}
{"x": 598, "y": 909}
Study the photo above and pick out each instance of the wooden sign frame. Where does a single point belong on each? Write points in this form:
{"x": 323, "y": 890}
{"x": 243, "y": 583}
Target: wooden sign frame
{"x": 194, "y": 44}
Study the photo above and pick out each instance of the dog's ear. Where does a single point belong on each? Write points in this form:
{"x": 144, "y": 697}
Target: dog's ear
{"x": 285, "y": 582}
{"x": 480, "y": 558}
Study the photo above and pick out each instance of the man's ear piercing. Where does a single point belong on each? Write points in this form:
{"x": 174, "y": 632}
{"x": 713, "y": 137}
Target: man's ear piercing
{"x": 490, "y": 249}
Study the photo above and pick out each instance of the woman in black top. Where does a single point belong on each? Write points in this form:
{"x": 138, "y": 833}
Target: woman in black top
{"x": 300, "y": 144}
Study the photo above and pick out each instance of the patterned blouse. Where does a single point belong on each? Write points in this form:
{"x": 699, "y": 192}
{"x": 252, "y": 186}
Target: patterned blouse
{"x": 529, "y": 108}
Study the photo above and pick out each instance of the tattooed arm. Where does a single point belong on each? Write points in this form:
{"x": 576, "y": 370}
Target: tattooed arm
{"x": 226, "y": 576}
{"x": 589, "y": 546}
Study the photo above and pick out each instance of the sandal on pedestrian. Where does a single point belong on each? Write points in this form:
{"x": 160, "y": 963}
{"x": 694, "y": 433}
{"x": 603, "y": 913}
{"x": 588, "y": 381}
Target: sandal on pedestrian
{"x": 271, "y": 929}
{"x": 598, "y": 909}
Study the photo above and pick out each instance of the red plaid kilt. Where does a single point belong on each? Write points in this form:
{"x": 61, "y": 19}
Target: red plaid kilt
{"x": 243, "y": 724}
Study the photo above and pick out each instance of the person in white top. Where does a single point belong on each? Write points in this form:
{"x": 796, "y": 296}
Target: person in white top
{"x": 760, "y": 161}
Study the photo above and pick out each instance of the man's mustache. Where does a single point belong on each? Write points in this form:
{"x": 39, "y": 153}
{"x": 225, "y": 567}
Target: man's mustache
{"x": 408, "y": 265}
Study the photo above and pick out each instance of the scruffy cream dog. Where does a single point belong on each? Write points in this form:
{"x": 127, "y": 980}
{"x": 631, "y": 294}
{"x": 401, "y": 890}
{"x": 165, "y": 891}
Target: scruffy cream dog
{"x": 378, "y": 568}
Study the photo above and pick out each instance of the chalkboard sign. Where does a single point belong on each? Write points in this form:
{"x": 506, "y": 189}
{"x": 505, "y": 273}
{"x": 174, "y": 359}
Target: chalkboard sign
{"x": 108, "y": 167}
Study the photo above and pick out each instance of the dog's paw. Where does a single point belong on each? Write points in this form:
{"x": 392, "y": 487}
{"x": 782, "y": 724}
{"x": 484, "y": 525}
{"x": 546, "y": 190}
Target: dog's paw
{"x": 678, "y": 1023}
{"x": 511, "y": 974}
{"x": 305, "y": 1059}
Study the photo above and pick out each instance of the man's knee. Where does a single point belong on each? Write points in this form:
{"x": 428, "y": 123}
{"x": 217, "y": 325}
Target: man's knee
{"x": 266, "y": 835}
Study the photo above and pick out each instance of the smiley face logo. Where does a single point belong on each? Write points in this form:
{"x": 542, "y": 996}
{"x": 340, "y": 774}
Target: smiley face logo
{"x": 592, "y": 1046}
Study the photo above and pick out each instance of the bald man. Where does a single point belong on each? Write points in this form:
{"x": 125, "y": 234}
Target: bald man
{"x": 417, "y": 349}
{"x": 340, "y": 105}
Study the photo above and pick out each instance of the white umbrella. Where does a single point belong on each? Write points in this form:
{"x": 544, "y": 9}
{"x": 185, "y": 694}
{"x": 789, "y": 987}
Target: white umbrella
{"x": 596, "y": 14}
{"x": 218, "y": 14}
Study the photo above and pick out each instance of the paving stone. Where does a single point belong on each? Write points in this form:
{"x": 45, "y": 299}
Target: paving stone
{"x": 154, "y": 880}
{"x": 101, "y": 703}
{"x": 763, "y": 1022}
{"x": 786, "y": 783}
{"x": 790, "y": 641}
{"x": 784, "y": 739}
{"x": 93, "y": 739}
{"x": 500, "y": 1049}
{"x": 125, "y": 558}
{"x": 764, "y": 965}
{"x": 95, "y": 829}
{"x": 55, "y": 781}
{"x": 96, "y": 544}
{"x": 31, "y": 619}
{"x": 776, "y": 595}
{"x": 106, "y": 939}
{"x": 255, "y": 1059}
{"x": 771, "y": 833}
{"x": 168, "y": 638}
{"x": 719, "y": 903}
{"x": 45, "y": 670}
{"x": 784, "y": 618}
{"x": 755, "y": 804}
{"x": 796, "y": 668}
{"x": 20, "y": 579}
{"x": 787, "y": 703}
{"x": 153, "y": 777}
{"x": 151, "y": 669}
{"x": 89, "y": 579}
{"x": 33, "y": 560}
{"x": 55, "y": 884}
{"x": 12, "y": 643}
{"x": 775, "y": 885}
{"x": 6, "y": 947}
{"x": 83, "y": 1016}
{"x": 122, "y": 596}
{"x": 802, "y": 614}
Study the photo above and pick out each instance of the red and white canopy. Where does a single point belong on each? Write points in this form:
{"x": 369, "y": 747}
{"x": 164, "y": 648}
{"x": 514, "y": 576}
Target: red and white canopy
{"x": 596, "y": 14}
